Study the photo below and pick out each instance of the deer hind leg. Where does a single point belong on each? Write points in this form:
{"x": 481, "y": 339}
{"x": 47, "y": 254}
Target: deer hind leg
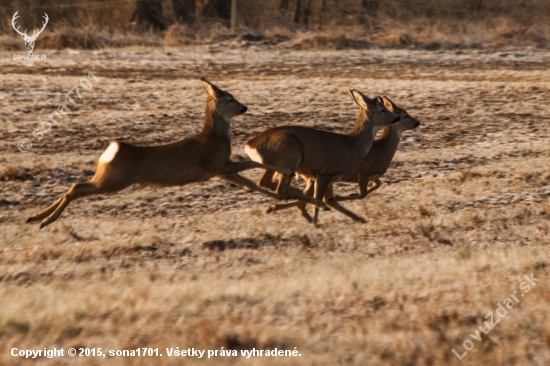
{"x": 47, "y": 212}
{"x": 283, "y": 189}
{"x": 53, "y": 212}
{"x": 283, "y": 206}
{"x": 328, "y": 194}
{"x": 322, "y": 183}
{"x": 266, "y": 180}
{"x": 301, "y": 206}
{"x": 375, "y": 185}
{"x": 287, "y": 192}
{"x": 283, "y": 185}
{"x": 308, "y": 191}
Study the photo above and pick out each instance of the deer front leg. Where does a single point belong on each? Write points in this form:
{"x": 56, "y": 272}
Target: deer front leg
{"x": 233, "y": 167}
{"x": 242, "y": 182}
{"x": 335, "y": 205}
{"x": 364, "y": 190}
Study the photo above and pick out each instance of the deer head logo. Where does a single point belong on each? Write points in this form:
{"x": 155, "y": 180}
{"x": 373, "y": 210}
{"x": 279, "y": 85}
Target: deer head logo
{"x": 29, "y": 41}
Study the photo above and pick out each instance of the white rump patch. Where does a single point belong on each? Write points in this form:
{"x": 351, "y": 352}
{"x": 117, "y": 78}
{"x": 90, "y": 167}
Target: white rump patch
{"x": 253, "y": 154}
{"x": 110, "y": 153}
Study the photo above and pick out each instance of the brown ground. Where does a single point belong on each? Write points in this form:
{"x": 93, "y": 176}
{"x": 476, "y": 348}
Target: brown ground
{"x": 463, "y": 214}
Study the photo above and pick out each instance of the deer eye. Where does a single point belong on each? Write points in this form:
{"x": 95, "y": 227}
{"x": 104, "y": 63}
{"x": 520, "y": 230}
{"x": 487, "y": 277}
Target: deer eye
{"x": 231, "y": 100}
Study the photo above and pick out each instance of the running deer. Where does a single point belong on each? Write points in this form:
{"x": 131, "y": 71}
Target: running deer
{"x": 194, "y": 159}
{"x": 369, "y": 171}
{"x": 29, "y": 40}
{"x": 323, "y": 156}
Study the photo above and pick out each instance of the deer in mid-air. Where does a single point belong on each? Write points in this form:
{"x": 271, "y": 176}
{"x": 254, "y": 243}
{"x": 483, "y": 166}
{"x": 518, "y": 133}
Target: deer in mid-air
{"x": 194, "y": 159}
{"x": 372, "y": 167}
{"x": 322, "y": 156}
{"x": 29, "y": 40}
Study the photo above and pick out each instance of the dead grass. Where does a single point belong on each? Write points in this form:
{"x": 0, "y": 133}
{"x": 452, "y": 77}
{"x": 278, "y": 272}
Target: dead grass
{"x": 343, "y": 25}
{"x": 462, "y": 217}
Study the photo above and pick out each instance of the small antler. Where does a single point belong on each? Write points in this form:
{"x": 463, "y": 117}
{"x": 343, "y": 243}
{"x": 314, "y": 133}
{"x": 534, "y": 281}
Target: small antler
{"x": 15, "y": 16}
{"x": 34, "y": 34}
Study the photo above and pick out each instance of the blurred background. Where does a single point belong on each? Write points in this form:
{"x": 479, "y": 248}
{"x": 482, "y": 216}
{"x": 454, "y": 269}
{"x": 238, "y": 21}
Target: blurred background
{"x": 297, "y": 24}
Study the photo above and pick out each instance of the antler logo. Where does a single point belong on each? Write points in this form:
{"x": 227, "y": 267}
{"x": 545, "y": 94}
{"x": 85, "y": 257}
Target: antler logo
{"x": 29, "y": 41}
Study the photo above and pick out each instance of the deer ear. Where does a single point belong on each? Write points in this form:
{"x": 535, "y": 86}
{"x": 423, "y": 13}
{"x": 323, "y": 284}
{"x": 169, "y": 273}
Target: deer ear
{"x": 360, "y": 99}
{"x": 211, "y": 89}
{"x": 389, "y": 104}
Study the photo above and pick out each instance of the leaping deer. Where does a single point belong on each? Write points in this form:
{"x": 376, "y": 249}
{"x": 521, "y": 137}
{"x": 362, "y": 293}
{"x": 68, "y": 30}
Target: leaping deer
{"x": 29, "y": 41}
{"x": 194, "y": 159}
{"x": 322, "y": 156}
{"x": 372, "y": 167}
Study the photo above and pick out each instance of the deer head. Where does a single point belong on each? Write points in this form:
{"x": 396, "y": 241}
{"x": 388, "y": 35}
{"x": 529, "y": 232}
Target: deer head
{"x": 29, "y": 40}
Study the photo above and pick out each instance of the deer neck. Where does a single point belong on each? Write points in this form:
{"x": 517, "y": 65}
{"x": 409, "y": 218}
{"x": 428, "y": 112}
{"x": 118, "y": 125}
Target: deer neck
{"x": 215, "y": 124}
{"x": 389, "y": 140}
{"x": 364, "y": 131}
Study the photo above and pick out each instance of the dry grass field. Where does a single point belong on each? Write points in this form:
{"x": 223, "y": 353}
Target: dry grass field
{"x": 463, "y": 214}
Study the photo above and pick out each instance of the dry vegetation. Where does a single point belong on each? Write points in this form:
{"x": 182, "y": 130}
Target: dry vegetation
{"x": 462, "y": 217}
{"x": 295, "y": 24}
